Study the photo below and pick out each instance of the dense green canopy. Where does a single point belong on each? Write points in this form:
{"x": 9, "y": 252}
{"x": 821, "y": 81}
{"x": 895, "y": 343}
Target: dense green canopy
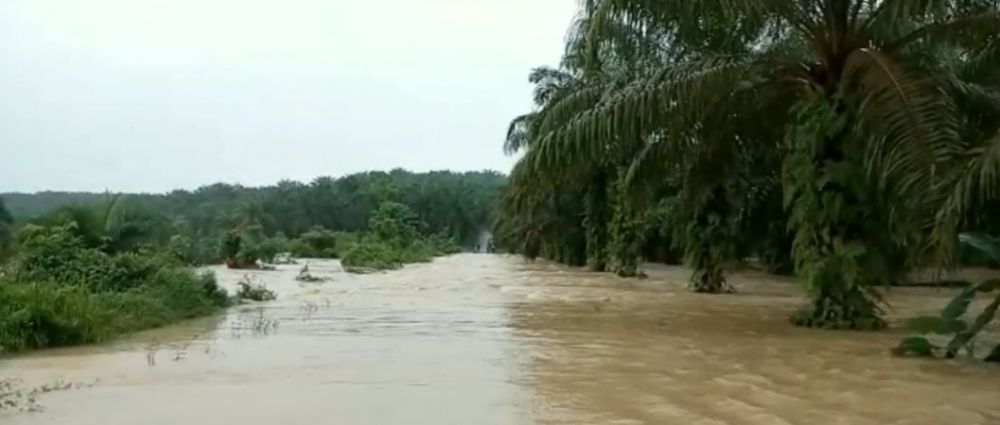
{"x": 459, "y": 205}
{"x": 866, "y": 129}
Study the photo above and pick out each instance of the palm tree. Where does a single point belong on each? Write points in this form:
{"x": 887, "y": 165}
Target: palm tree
{"x": 118, "y": 224}
{"x": 610, "y": 221}
{"x": 881, "y": 152}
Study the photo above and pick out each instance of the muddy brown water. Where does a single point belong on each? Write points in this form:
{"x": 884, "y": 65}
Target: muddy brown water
{"x": 483, "y": 339}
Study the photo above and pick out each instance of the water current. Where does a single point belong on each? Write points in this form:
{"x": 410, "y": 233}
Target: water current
{"x": 486, "y": 339}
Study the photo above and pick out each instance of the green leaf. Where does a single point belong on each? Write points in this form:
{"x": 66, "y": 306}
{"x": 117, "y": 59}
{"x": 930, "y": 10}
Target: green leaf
{"x": 984, "y": 244}
{"x": 963, "y": 338}
{"x": 986, "y": 316}
{"x": 916, "y": 346}
{"x": 960, "y": 304}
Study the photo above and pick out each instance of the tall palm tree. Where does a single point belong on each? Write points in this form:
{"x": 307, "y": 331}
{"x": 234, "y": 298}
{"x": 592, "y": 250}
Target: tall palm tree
{"x": 584, "y": 80}
{"x": 881, "y": 154}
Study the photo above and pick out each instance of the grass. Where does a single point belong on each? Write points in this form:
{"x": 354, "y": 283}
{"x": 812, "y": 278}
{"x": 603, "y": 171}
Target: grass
{"x": 51, "y": 314}
{"x": 58, "y": 292}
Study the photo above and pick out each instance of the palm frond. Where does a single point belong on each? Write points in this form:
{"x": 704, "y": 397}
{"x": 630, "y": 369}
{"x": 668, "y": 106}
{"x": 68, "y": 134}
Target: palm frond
{"x": 975, "y": 183}
{"x": 892, "y": 13}
{"x": 966, "y": 30}
{"x": 916, "y": 121}
{"x": 671, "y": 100}
{"x": 519, "y": 133}
{"x": 713, "y": 26}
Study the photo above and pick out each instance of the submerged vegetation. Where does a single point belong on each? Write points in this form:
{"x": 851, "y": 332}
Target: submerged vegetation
{"x": 253, "y": 290}
{"x": 393, "y": 240}
{"x": 320, "y": 219}
{"x": 847, "y": 141}
{"x": 86, "y": 272}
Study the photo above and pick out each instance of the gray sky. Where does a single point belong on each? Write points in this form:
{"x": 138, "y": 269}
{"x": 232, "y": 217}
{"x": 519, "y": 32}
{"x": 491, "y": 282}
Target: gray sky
{"x": 152, "y": 95}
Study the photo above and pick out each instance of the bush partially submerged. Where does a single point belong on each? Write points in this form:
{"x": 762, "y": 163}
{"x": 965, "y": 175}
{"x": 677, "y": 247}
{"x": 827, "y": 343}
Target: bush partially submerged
{"x": 252, "y": 290}
{"x": 393, "y": 241}
{"x": 318, "y": 242}
{"x": 305, "y": 276}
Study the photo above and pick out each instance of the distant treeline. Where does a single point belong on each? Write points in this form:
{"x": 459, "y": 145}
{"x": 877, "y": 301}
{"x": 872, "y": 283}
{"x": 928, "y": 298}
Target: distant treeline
{"x": 459, "y": 205}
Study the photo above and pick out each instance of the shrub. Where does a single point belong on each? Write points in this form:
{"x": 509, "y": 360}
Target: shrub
{"x": 47, "y": 314}
{"x": 371, "y": 255}
{"x": 194, "y": 251}
{"x": 249, "y": 290}
{"x": 305, "y": 276}
{"x": 394, "y": 241}
{"x": 62, "y": 292}
{"x": 318, "y": 242}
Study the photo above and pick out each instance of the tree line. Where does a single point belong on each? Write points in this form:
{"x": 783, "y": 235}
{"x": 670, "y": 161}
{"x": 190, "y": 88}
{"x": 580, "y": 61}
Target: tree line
{"x": 849, "y": 142}
{"x": 84, "y": 267}
{"x": 453, "y": 205}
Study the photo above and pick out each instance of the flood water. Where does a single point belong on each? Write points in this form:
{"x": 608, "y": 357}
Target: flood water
{"x": 483, "y": 339}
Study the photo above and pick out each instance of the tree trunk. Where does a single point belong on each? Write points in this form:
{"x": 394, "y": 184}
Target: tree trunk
{"x": 709, "y": 241}
{"x": 596, "y": 224}
{"x": 623, "y": 254}
{"x": 835, "y": 254}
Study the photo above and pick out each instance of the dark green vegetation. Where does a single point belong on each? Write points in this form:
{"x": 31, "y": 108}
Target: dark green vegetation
{"x": 6, "y": 230}
{"x": 847, "y": 141}
{"x": 951, "y": 324}
{"x": 60, "y": 289}
{"x": 245, "y": 226}
{"x": 959, "y": 333}
{"x": 251, "y": 290}
{"x": 81, "y": 268}
{"x": 393, "y": 240}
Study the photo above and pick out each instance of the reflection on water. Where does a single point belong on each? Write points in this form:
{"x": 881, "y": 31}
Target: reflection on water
{"x": 479, "y": 339}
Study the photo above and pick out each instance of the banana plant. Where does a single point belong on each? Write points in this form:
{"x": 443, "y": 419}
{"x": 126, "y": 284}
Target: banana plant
{"x": 961, "y": 334}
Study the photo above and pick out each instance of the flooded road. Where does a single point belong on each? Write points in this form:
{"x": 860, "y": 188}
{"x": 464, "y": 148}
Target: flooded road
{"x": 482, "y": 339}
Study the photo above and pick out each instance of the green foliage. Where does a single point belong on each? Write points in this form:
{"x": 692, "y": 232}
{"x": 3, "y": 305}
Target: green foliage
{"x": 624, "y": 239}
{"x": 232, "y": 251}
{"x": 39, "y": 314}
{"x": 119, "y": 224}
{"x": 393, "y": 241}
{"x": 887, "y": 109}
{"x": 979, "y": 249}
{"x": 49, "y": 315}
{"x": 595, "y": 224}
{"x": 305, "y": 276}
{"x": 57, "y": 254}
{"x": 60, "y": 290}
{"x": 709, "y": 239}
{"x": 318, "y": 242}
{"x": 835, "y": 224}
{"x": 251, "y": 290}
{"x": 194, "y": 250}
{"x": 6, "y": 231}
{"x": 951, "y": 323}
{"x": 458, "y": 204}
{"x": 370, "y": 255}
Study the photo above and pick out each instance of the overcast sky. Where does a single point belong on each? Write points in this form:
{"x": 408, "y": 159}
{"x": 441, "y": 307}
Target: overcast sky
{"x": 152, "y": 95}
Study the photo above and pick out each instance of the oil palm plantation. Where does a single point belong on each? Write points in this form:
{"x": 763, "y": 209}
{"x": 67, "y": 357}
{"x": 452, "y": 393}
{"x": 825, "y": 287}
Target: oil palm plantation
{"x": 588, "y": 195}
{"x": 881, "y": 113}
